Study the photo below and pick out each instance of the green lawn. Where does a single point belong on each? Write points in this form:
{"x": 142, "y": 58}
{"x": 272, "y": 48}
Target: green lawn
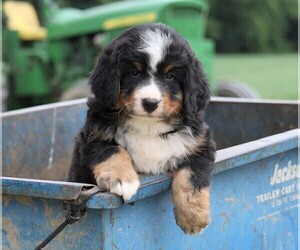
{"x": 274, "y": 76}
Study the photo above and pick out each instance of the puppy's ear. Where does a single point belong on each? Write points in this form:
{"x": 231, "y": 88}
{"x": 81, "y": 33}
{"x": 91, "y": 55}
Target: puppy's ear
{"x": 196, "y": 91}
{"x": 104, "y": 79}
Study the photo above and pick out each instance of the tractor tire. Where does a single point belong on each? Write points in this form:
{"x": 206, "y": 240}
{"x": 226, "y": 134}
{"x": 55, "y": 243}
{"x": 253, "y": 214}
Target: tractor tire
{"x": 77, "y": 91}
{"x": 227, "y": 88}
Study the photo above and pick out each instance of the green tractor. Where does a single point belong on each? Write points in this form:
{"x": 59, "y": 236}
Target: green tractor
{"x": 48, "y": 51}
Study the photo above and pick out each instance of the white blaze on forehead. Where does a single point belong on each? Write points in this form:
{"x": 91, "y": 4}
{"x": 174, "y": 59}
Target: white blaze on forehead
{"x": 154, "y": 44}
{"x": 149, "y": 91}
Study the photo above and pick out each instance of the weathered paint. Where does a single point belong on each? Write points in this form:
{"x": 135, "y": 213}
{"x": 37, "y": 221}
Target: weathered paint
{"x": 45, "y": 189}
{"x": 249, "y": 211}
{"x": 241, "y": 223}
{"x": 11, "y": 232}
{"x": 238, "y": 219}
{"x": 47, "y": 134}
{"x": 235, "y": 121}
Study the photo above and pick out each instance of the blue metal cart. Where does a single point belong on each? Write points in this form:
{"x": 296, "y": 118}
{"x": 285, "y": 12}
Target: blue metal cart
{"x": 254, "y": 193}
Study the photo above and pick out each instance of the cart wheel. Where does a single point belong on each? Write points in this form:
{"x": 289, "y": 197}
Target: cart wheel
{"x": 77, "y": 91}
{"x": 229, "y": 88}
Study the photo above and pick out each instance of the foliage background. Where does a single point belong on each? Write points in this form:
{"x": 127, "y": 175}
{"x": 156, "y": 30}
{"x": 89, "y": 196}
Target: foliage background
{"x": 253, "y": 26}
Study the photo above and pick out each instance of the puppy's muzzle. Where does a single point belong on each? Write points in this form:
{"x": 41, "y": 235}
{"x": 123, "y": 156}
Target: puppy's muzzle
{"x": 150, "y": 104}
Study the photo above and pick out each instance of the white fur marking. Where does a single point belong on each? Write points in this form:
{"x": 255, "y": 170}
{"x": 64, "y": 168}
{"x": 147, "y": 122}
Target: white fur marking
{"x": 126, "y": 189}
{"x": 154, "y": 45}
{"x": 151, "y": 153}
{"x": 148, "y": 91}
{"x": 117, "y": 189}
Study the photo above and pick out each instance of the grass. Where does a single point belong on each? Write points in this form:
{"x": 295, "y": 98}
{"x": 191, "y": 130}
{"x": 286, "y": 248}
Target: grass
{"x": 274, "y": 76}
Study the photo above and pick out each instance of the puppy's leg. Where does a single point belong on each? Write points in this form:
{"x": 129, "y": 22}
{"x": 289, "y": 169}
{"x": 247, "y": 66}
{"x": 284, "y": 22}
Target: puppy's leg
{"x": 117, "y": 175}
{"x": 190, "y": 188}
{"x": 192, "y": 212}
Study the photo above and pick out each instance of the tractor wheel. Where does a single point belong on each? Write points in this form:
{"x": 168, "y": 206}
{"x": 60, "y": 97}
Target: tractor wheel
{"x": 229, "y": 88}
{"x": 77, "y": 91}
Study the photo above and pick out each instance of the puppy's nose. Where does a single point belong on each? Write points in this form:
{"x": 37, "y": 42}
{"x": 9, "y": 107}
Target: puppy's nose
{"x": 150, "y": 104}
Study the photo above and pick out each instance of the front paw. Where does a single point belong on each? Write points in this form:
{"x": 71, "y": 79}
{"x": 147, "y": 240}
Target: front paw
{"x": 191, "y": 219}
{"x": 117, "y": 175}
{"x": 191, "y": 206}
{"x": 125, "y": 185}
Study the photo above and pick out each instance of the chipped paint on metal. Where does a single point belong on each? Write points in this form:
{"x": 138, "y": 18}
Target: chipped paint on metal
{"x": 5, "y": 199}
{"x": 48, "y": 210}
{"x": 24, "y": 200}
{"x": 11, "y": 231}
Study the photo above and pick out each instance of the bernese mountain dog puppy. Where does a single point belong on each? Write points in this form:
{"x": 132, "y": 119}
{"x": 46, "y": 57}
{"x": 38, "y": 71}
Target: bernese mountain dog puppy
{"x": 147, "y": 116}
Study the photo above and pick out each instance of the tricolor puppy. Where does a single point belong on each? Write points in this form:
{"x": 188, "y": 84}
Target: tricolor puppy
{"x": 146, "y": 116}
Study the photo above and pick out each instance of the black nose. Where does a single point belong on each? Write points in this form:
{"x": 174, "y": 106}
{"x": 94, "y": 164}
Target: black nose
{"x": 150, "y": 104}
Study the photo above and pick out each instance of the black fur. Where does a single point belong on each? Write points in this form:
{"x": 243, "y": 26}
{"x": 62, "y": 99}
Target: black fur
{"x": 96, "y": 141}
{"x": 201, "y": 164}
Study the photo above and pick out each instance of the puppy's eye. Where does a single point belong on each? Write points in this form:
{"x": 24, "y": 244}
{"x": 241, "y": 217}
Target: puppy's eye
{"x": 169, "y": 76}
{"x": 134, "y": 72}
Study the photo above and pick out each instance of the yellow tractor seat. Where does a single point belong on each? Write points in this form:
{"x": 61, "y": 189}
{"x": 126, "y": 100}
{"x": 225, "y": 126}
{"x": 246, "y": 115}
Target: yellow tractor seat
{"x": 23, "y": 19}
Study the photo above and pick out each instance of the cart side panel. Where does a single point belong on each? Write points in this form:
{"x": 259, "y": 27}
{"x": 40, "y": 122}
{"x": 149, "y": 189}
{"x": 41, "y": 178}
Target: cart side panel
{"x": 38, "y": 145}
{"x": 250, "y": 209}
{"x": 247, "y": 211}
{"x": 27, "y": 221}
{"x": 236, "y": 122}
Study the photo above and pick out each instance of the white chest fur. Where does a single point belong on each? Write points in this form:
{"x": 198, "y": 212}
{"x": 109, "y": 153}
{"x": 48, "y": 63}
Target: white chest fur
{"x": 149, "y": 151}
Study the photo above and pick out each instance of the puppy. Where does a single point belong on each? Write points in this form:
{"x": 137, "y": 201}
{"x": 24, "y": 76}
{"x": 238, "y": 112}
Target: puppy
{"x": 147, "y": 116}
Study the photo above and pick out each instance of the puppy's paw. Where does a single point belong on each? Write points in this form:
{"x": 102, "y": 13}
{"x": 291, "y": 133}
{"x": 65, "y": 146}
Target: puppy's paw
{"x": 125, "y": 189}
{"x": 123, "y": 184}
{"x": 191, "y": 220}
{"x": 117, "y": 175}
{"x": 191, "y": 206}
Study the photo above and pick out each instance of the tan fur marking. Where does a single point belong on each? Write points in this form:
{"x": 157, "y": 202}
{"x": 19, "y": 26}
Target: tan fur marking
{"x": 172, "y": 107}
{"x": 117, "y": 168}
{"x": 138, "y": 66}
{"x": 125, "y": 101}
{"x": 168, "y": 68}
{"x": 192, "y": 212}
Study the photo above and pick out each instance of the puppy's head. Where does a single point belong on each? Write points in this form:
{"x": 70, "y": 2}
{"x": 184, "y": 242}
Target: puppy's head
{"x": 150, "y": 71}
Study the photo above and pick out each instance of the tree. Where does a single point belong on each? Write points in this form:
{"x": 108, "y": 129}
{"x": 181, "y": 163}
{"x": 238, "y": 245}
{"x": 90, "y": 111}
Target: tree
{"x": 253, "y": 25}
